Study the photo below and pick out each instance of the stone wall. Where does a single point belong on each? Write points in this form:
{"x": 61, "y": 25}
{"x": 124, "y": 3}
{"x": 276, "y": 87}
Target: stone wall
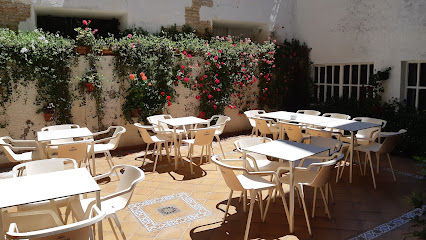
{"x": 12, "y": 13}
{"x": 192, "y": 16}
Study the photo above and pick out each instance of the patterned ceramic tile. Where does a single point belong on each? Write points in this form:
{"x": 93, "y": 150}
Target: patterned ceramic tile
{"x": 138, "y": 209}
{"x": 389, "y": 226}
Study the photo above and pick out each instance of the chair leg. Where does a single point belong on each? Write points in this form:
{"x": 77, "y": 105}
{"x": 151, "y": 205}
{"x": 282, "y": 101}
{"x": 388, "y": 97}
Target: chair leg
{"x": 280, "y": 189}
{"x": 327, "y": 211}
{"x": 372, "y": 171}
{"x": 260, "y": 201}
{"x": 252, "y": 200}
{"x": 112, "y": 162}
{"x": 113, "y": 228}
{"x": 302, "y": 196}
{"x": 267, "y": 204}
{"x": 390, "y": 164}
{"x": 191, "y": 149}
{"x": 331, "y": 193}
{"x": 146, "y": 153}
{"x": 117, "y": 222}
{"x": 156, "y": 157}
{"x": 220, "y": 145}
{"x": 314, "y": 200}
{"x": 378, "y": 162}
{"x": 245, "y": 202}
{"x": 359, "y": 162}
{"x": 227, "y": 206}
{"x": 166, "y": 146}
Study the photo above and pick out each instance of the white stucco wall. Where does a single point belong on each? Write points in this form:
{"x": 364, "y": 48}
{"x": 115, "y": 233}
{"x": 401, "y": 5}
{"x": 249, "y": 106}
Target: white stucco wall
{"x": 22, "y": 121}
{"x": 385, "y": 32}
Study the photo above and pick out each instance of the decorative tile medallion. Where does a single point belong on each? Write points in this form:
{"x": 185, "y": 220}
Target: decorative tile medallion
{"x": 167, "y": 211}
{"x": 389, "y": 226}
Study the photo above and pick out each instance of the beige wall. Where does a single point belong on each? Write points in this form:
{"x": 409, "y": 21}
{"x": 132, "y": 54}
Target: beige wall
{"x": 22, "y": 121}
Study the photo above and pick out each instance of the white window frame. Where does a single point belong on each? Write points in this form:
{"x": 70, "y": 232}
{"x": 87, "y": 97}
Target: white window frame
{"x": 341, "y": 83}
{"x": 417, "y": 87}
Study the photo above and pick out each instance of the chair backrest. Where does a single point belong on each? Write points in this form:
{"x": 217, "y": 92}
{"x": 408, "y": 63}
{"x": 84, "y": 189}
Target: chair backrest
{"x": 326, "y": 169}
{"x": 60, "y": 127}
{"x": 81, "y": 230}
{"x": 125, "y": 188}
{"x": 204, "y": 136}
{"x": 368, "y": 133}
{"x": 143, "y": 130}
{"x": 42, "y": 166}
{"x": 391, "y": 142}
{"x": 154, "y": 120}
{"x": 333, "y": 144}
{"x": 318, "y": 132}
{"x": 221, "y": 121}
{"x": 337, "y": 115}
{"x": 78, "y": 150}
{"x": 115, "y": 138}
{"x": 248, "y": 142}
{"x": 293, "y": 131}
{"x": 262, "y": 125}
{"x": 5, "y": 145}
{"x": 309, "y": 112}
{"x": 228, "y": 174}
{"x": 252, "y": 113}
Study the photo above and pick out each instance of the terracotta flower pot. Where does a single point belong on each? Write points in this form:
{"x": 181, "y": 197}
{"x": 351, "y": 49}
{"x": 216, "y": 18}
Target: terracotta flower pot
{"x": 48, "y": 117}
{"x": 135, "y": 112}
{"x": 90, "y": 87}
{"x": 82, "y": 50}
{"x": 107, "y": 52}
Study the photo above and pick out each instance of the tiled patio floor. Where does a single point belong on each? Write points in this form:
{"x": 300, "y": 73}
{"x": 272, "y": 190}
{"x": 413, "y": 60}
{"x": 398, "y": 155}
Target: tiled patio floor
{"x": 358, "y": 207}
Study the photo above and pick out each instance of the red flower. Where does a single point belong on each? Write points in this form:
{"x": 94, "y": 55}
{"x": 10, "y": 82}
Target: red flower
{"x": 184, "y": 53}
{"x": 84, "y": 22}
{"x": 216, "y": 57}
{"x": 209, "y": 96}
{"x": 183, "y": 67}
{"x": 205, "y": 76}
{"x": 132, "y": 76}
{"x": 214, "y": 106}
{"x": 162, "y": 93}
{"x": 294, "y": 54}
{"x": 169, "y": 103}
{"x": 168, "y": 98}
{"x": 207, "y": 63}
{"x": 130, "y": 35}
{"x": 189, "y": 55}
{"x": 90, "y": 21}
{"x": 186, "y": 79}
{"x": 197, "y": 97}
{"x": 217, "y": 89}
{"x": 220, "y": 51}
{"x": 217, "y": 81}
{"x": 200, "y": 85}
{"x": 179, "y": 77}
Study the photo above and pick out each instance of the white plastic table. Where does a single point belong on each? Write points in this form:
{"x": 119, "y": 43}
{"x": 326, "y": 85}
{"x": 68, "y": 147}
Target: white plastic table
{"x": 178, "y": 122}
{"x": 290, "y": 151}
{"x": 341, "y": 124}
{"x": 48, "y": 186}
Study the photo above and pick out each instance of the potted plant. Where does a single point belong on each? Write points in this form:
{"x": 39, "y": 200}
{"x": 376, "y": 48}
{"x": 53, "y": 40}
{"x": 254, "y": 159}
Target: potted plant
{"x": 85, "y": 38}
{"x": 49, "y": 110}
{"x": 384, "y": 75}
{"x": 91, "y": 81}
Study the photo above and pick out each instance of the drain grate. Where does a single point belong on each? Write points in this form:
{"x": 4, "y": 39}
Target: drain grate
{"x": 167, "y": 210}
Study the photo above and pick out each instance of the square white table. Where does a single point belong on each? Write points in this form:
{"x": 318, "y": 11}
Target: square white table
{"x": 63, "y": 134}
{"x": 290, "y": 151}
{"x": 48, "y": 186}
{"x": 178, "y": 122}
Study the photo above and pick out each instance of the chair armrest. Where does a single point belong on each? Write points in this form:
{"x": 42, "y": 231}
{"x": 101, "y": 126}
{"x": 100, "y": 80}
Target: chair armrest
{"x": 24, "y": 141}
{"x": 18, "y": 148}
{"x": 103, "y": 139}
{"x": 102, "y": 132}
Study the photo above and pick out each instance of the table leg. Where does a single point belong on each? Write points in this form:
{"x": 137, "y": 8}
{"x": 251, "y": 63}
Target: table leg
{"x": 1, "y": 225}
{"x": 352, "y": 155}
{"x": 291, "y": 217}
{"x": 98, "y": 204}
{"x": 175, "y": 147}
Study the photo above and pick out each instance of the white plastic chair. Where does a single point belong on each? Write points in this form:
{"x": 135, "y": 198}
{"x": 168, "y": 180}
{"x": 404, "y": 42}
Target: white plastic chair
{"x": 105, "y": 145}
{"x": 42, "y": 166}
{"x": 114, "y": 202}
{"x": 248, "y": 181}
{"x": 221, "y": 121}
{"x": 391, "y": 141}
{"x": 255, "y": 161}
{"x": 293, "y": 131}
{"x": 81, "y": 230}
{"x": 316, "y": 179}
{"x": 266, "y": 127}
{"x": 337, "y": 115}
{"x": 365, "y": 136}
{"x": 309, "y": 112}
{"x": 250, "y": 114}
{"x": 158, "y": 140}
{"x": 77, "y": 150}
{"x": 203, "y": 138}
{"x": 60, "y": 127}
{"x": 7, "y": 144}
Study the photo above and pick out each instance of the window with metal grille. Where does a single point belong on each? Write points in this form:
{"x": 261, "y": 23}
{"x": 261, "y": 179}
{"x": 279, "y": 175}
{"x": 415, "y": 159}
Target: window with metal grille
{"x": 342, "y": 80}
{"x": 415, "y": 84}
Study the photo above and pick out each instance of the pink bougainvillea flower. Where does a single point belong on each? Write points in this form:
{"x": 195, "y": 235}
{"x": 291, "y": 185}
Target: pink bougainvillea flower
{"x": 84, "y": 22}
{"x": 168, "y": 98}
{"x": 87, "y": 29}
{"x": 179, "y": 77}
{"x": 96, "y": 30}
{"x": 189, "y": 55}
{"x": 130, "y": 35}
{"x": 217, "y": 81}
{"x": 169, "y": 103}
{"x": 132, "y": 76}
{"x": 184, "y": 53}
{"x": 235, "y": 45}
{"x": 216, "y": 57}
{"x": 186, "y": 79}
{"x": 209, "y": 96}
{"x": 208, "y": 54}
